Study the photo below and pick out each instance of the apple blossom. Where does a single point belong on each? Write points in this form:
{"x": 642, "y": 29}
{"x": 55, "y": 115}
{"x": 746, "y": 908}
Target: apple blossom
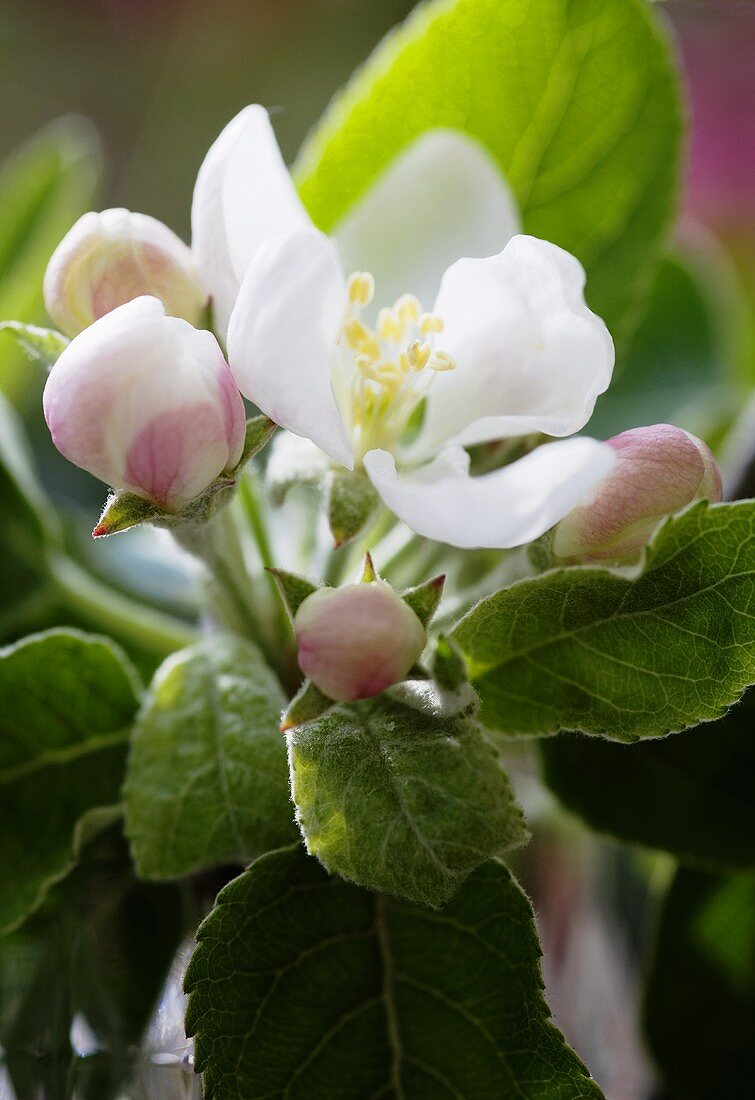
{"x": 509, "y": 347}
{"x": 355, "y": 641}
{"x": 146, "y": 403}
{"x": 107, "y": 259}
{"x": 659, "y": 470}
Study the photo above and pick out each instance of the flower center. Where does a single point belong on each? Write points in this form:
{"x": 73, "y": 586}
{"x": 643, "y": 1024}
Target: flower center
{"x": 388, "y": 369}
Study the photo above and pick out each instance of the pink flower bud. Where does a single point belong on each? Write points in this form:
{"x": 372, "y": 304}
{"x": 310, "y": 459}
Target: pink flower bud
{"x": 357, "y": 640}
{"x": 659, "y": 470}
{"x": 146, "y": 403}
{"x": 109, "y": 259}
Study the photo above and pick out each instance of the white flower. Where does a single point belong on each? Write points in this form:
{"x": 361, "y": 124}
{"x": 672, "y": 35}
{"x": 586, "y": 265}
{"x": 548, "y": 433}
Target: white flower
{"x": 507, "y": 349}
{"x": 110, "y": 258}
{"x": 146, "y": 403}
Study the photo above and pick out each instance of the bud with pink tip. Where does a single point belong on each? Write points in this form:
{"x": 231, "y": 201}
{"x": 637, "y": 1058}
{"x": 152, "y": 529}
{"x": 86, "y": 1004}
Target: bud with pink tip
{"x": 357, "y": 640}
{"x": 659, "y": 470}
{"x": 109, "y": 259}
{"x": 146, "y": 403}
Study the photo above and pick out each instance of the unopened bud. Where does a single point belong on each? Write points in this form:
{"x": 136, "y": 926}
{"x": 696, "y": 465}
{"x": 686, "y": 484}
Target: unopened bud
{"x": 109, "y": 259}
{"x": 357, "y": 640}
{"x": 659, "y": 470}
{"x": 146, "y": 403}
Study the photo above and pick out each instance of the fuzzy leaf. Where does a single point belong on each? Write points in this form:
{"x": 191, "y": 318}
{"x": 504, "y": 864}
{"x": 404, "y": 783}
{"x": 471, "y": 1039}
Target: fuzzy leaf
{"x": 293, "y": 589}
{"x": 424, "y": 599}
{"x": 389, "y": 1000}
{"x": 623, "y": 656}
{"x": 308, "y": 703}
{"x": 67, "y": 701}
{"x": 399, "y": 801}
{"x": 207, "y": 780}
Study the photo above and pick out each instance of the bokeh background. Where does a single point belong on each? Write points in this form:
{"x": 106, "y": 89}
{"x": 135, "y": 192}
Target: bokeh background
{"x": 158, "y": 79}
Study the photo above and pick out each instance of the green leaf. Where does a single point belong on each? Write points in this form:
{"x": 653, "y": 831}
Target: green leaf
{"x": 679, "y": 333}
{"x": 700, "y": 999}
{"x": 259, "y": 430}
{"x": 67, "y": 701}
{"x": 26, "y": 523}
{"x": 207, "y": 780}
{"x": 378, "y": 998}
{"x": 395, "y": 800}
{"x": 623, "y": 656}
{"x": 351, "y": 504}
{"x": 692, "y": 794}
{"x": 42, "y": 345}
{"x": 101, "y": 946}
{"x": 46, "y": 186}
{"x": 577, "y": 103}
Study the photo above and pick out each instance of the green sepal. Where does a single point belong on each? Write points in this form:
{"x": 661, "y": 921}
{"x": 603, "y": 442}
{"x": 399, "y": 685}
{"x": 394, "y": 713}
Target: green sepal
{"x": 351, "y": 502}
{"x": 448, "y": 666}
{"x": 124, "y": 510}
{"x": 42, "y": 345}
{"x": 424, "y": 599}
{"x": 308, "y": 703}
{"x": 293, "y": 589}
{"x": 259, "y": 430}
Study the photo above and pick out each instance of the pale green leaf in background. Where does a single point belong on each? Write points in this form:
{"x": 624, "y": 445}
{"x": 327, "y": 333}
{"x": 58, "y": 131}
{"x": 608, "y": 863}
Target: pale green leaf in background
{"x": 44, "y": 188}
{"x": 305, "y": 987}
{"x": 207, "y": 780}
{"x": 577, "y": 103}
{"x": 399, "y": 801}
{"x": 594, "y": 650}
{"x": 67, "y": 702}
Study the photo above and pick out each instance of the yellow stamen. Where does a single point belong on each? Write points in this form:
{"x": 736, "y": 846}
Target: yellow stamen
{"x": 361, "y": 288}
{"x": 418, "y": 354}
{"x": 430, "y": 322}
{"x": 441, "y": 360}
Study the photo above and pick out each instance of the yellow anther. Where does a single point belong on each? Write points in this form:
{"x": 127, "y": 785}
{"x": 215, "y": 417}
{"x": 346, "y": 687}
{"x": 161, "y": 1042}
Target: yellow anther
{"x": 430, "y": 322}
{"x": 403, "y": 362}
{"x": 367, "y": 367}
{"x": 418, "y": 354}
{"x": 441, "y": 361}
{"x": 388, "y": 327}
{"x": 356, "y": 333}
{"x": 361, "y": 288}
{"x": 408, "y": 309}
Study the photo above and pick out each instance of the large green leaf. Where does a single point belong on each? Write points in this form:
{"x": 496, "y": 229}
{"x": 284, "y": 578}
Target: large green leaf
{"x": 700, "y": 999}
{"x": 305, "y": 987}
{"x": 692, "y": 794}
{"x": 399, "y": 801}
{"x": 207, "y": 781}
{"x": 43, "y": 190}
{"x": 67, "y": 701}
{"x": 577, "y": 103}
{"x": 619, "y": 656}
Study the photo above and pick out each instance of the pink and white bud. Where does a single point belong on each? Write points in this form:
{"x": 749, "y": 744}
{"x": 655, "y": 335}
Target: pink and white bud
{"x": 357, "y": 640}
{"x": 146, "y": 403}
{"x": 659, "y": 470}
{"x": 109, "y": 259}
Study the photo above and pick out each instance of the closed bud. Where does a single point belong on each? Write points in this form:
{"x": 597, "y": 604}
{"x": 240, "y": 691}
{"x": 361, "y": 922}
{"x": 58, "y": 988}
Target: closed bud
{"x": 109, "y": 259}
{"x": 146, "y": 403}
{"x": 357, "y": 640}
{"x": 658, "y": 470}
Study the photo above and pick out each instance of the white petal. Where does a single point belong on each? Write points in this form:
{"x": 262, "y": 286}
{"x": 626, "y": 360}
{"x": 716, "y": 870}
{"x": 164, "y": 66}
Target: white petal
{"x": 530, "y": 356}
{"x": 242, "y": 197}
{"x": 282, "y": 338}
{"x": 509, "y": 507}
{"x": 441, "y": 198}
